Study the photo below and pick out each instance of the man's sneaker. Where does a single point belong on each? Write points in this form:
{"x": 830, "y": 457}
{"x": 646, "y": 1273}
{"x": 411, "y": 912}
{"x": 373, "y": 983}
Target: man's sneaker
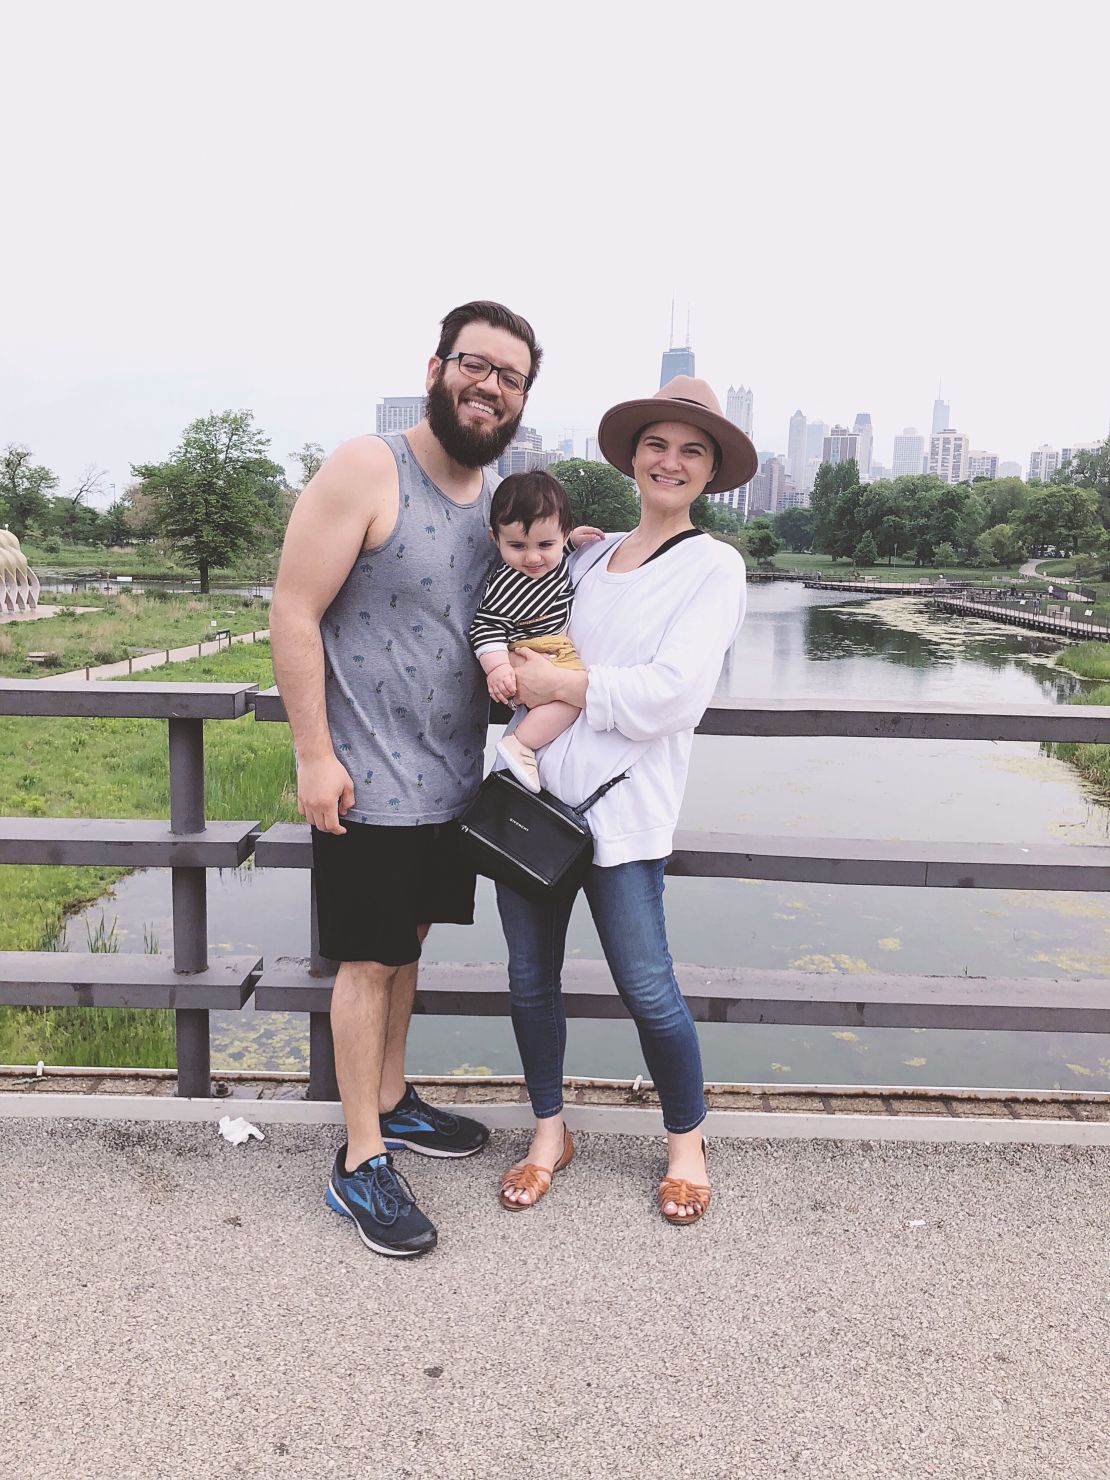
{"x": 414, "y": 1125}
{"x": 382, "y": 1205}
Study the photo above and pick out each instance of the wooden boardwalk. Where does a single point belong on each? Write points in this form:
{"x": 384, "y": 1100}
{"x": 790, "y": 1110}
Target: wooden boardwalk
{"x": 1079, "y": 631}
{"x": 887, "y": 588}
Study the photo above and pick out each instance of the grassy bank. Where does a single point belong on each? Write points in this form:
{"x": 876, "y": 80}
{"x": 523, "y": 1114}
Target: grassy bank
{"x": 119, "y": 768}
{"x": 154, "y": 562}
{"x": 122, "y": 627}
{"x": 1089, "y": 660}
{"x": 824, "y": 566}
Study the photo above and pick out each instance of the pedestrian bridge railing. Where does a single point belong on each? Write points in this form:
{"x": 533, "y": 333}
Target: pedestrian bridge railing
{"x": 195, "y": 979}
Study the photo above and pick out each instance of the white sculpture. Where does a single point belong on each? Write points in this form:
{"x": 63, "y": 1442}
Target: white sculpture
{"x": 19, "y": 586}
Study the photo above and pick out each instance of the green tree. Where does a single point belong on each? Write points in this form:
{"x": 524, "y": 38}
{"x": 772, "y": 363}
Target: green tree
{"x": 1005, "y": 498}
{"x": 1092, "y": 470}
{"x": 716, "y": 518}
{"x": 310, "y": 457}
{"x": 866, "y": 552}
{"x": 598, "y": 494}
{"x": 117, "y": 528}
{"x": 1060, "y": 515}
{"x": 944, "y": 554}
{"x": 24, "y": 487}
{"x": 761, "y": 541}
{"x": 828, "y": 501}
{"x": 1006, "y": 544}
{"x": 218, "y": 494}
{"x": 794, "y": 527}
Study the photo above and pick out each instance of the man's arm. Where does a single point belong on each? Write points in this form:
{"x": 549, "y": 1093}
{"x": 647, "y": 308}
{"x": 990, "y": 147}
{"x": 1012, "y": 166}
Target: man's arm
{"x": 345, "y": 506}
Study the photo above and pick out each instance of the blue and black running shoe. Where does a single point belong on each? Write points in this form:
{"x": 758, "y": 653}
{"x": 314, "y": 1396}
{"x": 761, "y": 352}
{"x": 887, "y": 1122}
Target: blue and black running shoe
{"x": 382, "y": 1205}
{"x": 414, "y": 1125}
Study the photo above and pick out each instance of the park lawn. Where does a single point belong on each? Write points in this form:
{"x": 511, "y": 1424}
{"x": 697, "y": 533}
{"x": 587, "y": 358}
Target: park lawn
{"x": 118, "y": 768}
{"x": 123, "y": 626}
{"x": 1091, "y": 661}
{"x": 138, "y": 561}
{"x": 900, "y": 570}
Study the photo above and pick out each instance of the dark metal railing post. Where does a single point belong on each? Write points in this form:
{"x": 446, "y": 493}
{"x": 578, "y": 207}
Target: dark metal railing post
{"x": 190, "y": 904}
{"x": 322, "y": 1083}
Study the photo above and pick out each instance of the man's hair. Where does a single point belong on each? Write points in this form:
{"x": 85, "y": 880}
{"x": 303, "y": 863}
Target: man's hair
{"x": 483, "y": 311}
{"x": 525, "y": 497}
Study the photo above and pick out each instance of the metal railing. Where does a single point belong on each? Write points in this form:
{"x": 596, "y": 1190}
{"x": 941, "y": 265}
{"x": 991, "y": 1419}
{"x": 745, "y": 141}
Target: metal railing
{"x": 195, "y": 980}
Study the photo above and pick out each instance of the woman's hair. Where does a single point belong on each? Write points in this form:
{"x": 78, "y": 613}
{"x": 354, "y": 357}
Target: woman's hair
{"x": 484, "y": 311}
{"x": 525, "y": 497}
{"x": 642, "y": 433}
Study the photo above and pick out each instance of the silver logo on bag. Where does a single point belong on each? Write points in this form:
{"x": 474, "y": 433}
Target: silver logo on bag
{"x": 515, "y": 823}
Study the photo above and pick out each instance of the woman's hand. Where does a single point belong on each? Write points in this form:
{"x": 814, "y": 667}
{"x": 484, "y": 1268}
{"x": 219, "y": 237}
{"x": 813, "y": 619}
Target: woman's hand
{"x": 583, "y": 534}
{"x": 539, "y": 681}
{"x": 501, "y": 683}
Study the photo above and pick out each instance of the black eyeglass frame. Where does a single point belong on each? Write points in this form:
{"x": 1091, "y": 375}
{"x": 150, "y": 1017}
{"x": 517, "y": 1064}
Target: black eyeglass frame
{"x": 461, "y": 354}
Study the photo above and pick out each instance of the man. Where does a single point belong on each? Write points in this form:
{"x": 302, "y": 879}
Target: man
{"x": 384, "y": 562}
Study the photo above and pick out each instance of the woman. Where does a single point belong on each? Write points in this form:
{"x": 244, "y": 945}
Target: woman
{"x": 655, "y": 611}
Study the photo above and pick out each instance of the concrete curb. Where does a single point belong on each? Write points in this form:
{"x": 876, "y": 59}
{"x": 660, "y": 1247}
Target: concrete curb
{"x": 611, "y": 1120}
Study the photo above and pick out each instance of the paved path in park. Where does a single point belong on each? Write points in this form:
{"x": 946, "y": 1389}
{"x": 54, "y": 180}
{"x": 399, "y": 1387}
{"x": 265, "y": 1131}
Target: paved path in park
{"x": 173, "y": 1306}
{"x": 140, "y": 664}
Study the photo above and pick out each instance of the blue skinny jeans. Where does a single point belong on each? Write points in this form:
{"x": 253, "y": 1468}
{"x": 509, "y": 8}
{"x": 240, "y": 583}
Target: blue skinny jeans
{"x": 626, "y": 902}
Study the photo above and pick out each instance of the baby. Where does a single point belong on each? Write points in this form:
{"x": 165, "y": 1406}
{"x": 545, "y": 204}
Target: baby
{"x": 526, "y": 604}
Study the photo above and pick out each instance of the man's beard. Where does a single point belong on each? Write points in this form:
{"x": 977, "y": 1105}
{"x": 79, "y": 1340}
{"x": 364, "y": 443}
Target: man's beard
{"x": 470, "y": 447}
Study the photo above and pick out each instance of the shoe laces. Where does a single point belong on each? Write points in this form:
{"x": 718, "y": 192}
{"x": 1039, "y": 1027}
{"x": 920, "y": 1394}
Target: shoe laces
{"x": 387, "y": 1191}
{"x": 443, "y": 1120}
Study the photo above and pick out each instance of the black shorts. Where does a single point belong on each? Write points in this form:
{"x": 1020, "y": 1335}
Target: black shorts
{"x": 375, "y": 885}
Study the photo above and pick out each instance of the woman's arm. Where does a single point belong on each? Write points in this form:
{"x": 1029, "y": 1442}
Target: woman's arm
{"x": 646, "y": 701}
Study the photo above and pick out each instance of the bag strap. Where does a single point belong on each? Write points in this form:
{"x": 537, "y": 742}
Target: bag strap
{"x": 608, "y": 550}
{"x": 599, "y": 793}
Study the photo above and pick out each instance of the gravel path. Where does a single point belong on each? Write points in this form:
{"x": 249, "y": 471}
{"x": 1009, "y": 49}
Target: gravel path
{"x": 171, "y": 1306}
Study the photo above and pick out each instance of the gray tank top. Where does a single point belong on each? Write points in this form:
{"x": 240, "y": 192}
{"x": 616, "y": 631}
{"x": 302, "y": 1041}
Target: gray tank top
{"x": 406, "y": 700}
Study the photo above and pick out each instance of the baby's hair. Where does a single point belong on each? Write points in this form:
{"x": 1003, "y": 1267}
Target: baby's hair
{"x": 522, "y": 498}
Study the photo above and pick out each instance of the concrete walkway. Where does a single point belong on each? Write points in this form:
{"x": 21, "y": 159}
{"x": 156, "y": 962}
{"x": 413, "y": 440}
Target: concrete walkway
{"x": 173, "y": 1306}
{"x": 145, "y": 661}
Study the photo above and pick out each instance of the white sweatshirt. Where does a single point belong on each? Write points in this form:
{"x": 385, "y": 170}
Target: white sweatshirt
{"x": 653, "y": 641}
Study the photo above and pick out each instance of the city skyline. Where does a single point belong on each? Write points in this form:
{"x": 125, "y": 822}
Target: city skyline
{"x": 138, "y": 301}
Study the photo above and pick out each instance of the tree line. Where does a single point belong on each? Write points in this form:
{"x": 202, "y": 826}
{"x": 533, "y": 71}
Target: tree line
{"x": 990, "y": 522}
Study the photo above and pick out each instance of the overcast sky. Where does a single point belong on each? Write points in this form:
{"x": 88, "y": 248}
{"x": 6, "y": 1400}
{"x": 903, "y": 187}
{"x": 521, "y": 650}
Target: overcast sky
{"x": 268, "y": 205}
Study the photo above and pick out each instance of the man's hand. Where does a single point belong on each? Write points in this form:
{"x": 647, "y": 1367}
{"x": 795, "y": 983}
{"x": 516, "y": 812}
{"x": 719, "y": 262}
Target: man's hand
{"x": 501, "y": 683}
{"x": 324, "y": 792}
{"x": 583, "y": 534}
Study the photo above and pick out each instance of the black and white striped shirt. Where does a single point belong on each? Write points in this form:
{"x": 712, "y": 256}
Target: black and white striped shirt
{"x": 515, "y": 606}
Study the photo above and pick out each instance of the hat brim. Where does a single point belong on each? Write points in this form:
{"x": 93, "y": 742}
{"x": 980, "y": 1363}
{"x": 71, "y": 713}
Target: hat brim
{"x": 621, "y": 424}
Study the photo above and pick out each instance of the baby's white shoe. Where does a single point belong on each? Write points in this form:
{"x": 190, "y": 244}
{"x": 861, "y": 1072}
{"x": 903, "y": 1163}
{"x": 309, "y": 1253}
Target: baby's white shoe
{"x": 521, "y": 761}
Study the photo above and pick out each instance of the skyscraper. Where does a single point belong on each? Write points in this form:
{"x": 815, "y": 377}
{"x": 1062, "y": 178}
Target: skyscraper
{"x": 981, "y": 465}
{"x": 398, "y": 413}
{"x": 840, "y": 445}
{"x": 1043, "y": 462}
{"x": 948, "y": 455}
{"x": 909, "y": 453}
{"x": 676, "y": 361}
{"x": 862, "y": 427}
{"x": 796, "y": 450}
{"x": 942, "y": 415}
{"x": 738, "y": 408}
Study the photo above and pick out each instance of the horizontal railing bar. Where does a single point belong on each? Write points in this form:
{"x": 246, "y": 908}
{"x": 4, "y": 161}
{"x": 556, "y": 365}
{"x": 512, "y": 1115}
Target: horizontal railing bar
{"x": 875, "y": 719}
{"x": 127, "y": 842}
{"x": 75, "y": 698}
{"x": 748, "y": 995}
{"x": 115, "y": 979}
{"x": 823, "y": 861}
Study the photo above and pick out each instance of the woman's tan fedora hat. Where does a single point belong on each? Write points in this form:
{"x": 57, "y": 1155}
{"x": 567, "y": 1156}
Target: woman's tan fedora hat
{"x": 681, "y": 399}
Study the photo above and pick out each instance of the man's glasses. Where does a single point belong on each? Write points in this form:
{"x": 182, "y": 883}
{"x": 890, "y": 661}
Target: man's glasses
{"x": 475, "y": 368}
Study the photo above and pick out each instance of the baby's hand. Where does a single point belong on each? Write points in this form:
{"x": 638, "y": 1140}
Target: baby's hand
{"x": 502, "y": 684}
{"x": 583, "y": 534}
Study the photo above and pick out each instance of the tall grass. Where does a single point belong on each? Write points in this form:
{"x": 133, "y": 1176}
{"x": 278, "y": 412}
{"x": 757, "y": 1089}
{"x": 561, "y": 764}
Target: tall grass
{"x": 119, "y": 768}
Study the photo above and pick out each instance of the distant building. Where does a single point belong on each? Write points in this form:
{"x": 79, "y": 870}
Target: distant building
{"x": 948, "y": 455}
{"x": 840, "y": 446}
{"x": 816, "y": 432}
{"x": 739, "y": 406}
{"x": 862, "y": 427}
{"x": 1043, "y": 462}
{"x": 879, "y": 472}
{"x": 525, "y": 453}
{"x": 765, "y": 491}
{"x": 910, "y": 456}
{"x": 942, "y": 415}
{"x": 399, "y": 413}
{"x": 796, "y": 450}
{"x": 678, "y": 361}
{"x": 731, "y": 498}
{"x": 1009, "y": 470}
{"x": 566, "y": 445}
{"x": 982, "y": 465}
{"x": 593, "y": 452}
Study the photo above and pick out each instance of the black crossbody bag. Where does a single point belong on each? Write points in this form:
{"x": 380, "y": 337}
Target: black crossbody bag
{"x": 531, "y": 841}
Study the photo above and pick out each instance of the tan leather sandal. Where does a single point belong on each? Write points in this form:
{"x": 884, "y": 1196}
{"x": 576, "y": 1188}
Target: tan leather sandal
{"x": 684, "y": 1194}
{"x": 526, "y": 1176}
